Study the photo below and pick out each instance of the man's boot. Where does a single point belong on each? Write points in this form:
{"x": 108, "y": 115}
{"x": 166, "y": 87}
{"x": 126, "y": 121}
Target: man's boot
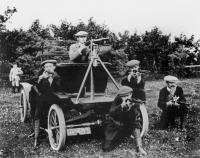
{"x": 33, "y": 130}
{"x": 138, "y": 140}
{"x": 36, "y": 131}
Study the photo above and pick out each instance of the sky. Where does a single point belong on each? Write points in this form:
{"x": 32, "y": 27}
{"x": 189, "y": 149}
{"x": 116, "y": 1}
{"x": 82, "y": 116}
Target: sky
{"x": 170, "y": 16}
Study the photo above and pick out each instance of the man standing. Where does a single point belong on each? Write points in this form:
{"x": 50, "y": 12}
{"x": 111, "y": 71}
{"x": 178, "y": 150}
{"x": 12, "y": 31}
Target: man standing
{"x": 134, "y": 80}
{"x": 48, "y": 83}
{"x": 14, "y": 77}
{"x": 79, "y": 52}
{"x": 123, "y": 121}
{"x": 171, "y": 102}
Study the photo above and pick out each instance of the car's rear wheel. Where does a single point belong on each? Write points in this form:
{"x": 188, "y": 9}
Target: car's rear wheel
{"x": 23, "y": 106}
{"x": 56, "y": 127}
{"x": 144, "y": 120}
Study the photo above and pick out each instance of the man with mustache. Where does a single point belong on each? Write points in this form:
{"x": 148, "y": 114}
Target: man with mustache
{"x": 171, "y": 102}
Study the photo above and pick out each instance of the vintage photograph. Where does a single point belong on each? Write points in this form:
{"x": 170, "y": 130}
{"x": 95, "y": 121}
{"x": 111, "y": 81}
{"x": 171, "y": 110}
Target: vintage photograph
{"x": 99, "y": 79}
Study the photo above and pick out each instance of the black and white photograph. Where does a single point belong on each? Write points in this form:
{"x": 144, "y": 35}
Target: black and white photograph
{"x": 99, "y": 79}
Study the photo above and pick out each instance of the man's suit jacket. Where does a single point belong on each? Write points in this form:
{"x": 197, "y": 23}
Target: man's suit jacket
{"x": 164, "y": 97}
{"x": 44, "y": 86}
{"x": 78, "y": 55}
{"x": 138, "y": 88}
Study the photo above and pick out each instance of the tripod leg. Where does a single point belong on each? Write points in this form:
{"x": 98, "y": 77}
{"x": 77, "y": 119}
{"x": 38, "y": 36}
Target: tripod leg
{"x": 84, "y": 80}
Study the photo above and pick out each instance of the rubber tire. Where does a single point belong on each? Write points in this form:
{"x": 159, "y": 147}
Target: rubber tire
{"x": 145, "y": 120}
{"x": 62, "y": 127}
{"x": 23, "y": 106}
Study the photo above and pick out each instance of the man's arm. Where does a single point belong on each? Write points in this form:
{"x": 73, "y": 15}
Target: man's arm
{"x": 58, "y": 87}
{"x": 10, "y": 75}
{"x": 181, "y": 96}
{"x": 75, "y": 51}
{"x": 20, "y": 72}
{"x": 141, "y": 83}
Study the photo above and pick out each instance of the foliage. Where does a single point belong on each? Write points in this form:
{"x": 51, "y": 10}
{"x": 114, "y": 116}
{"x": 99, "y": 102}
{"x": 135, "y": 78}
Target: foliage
{"x": 117, "y": 58}
{"x": 185, "y": 52}
{"x": 5, "y": 17}
{"x": 154, "y": 49}
{"x": 150, "y": 48}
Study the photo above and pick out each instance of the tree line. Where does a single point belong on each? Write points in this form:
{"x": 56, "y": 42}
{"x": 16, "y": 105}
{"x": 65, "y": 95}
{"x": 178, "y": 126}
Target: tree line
{"x": 156, "y": 51}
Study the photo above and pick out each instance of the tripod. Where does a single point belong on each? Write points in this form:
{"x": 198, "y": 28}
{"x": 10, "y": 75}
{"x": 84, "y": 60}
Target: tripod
{"x": 94, "y": 61}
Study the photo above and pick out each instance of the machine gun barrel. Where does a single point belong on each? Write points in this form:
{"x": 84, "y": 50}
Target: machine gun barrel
{"x": 96, "y": 41}
{"x": 100, "y": 39}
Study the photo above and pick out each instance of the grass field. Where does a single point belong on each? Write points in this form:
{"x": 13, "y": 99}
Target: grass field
{"x": 14, "y": 141}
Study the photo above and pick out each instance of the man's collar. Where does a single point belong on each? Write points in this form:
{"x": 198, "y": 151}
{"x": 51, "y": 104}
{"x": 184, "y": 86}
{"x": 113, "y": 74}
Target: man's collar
{"x": 168, "y": 89}
{"x": 55, "y": 74}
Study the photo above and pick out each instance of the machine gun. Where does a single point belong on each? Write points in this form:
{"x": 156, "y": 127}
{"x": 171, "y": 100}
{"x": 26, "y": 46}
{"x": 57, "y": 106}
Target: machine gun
{"x": 100, "y": 41}
{"x": 178, "y": 103}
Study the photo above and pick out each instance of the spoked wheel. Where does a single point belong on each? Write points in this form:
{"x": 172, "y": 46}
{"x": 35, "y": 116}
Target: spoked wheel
{"x": 56, "y": 127}
{"x": 144, "y": 120}
{"x": 23, "y": 106}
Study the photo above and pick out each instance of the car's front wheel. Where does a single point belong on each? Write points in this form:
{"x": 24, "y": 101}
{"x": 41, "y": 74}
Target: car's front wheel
{"x": 56, "y": 127}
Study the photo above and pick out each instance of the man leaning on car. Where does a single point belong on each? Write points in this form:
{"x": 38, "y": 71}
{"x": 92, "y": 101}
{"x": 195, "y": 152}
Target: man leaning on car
{"x": 48, "y": 82}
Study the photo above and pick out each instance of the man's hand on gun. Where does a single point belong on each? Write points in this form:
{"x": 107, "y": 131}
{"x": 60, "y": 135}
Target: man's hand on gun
{"x": 134, "y": 74}
{"x": 126, "y": 104}
{"x": 173, "y": 102}
{"x": 44, "y": 75}
{"x": 83, "y": 50}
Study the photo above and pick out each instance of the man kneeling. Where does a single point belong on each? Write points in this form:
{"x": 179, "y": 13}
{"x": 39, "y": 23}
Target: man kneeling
{"x": 172, "y": 103}
{"x": 123, "y": 121}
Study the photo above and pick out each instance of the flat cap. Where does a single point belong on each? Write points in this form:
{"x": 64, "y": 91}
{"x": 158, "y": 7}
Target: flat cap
{"x": 81, "y": 33}
{"x": 133, "y": 63}
{"x": 49, "y": 61}
{"x": 124, "y": 90}
{"x": 170, "y": 78}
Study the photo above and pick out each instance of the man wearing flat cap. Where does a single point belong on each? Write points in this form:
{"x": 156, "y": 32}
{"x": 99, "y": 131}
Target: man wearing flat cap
{"x": 48, "y": 82}
{"x": 79, "y": 52}
{"x": 135, "y": 80}
{"x": 122, "y": 121}
{"x": 171, "y": 102}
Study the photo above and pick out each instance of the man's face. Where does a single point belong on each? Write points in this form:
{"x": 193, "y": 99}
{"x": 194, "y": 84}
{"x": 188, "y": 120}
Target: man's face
{"x": 49, "y": 67}
{"x": 126, "y": 102}
{"x": 15, "y": 66}
{"x": 82, "y": 39}
{"x": 134, "y": 70}
{"x": 170, "y": 84}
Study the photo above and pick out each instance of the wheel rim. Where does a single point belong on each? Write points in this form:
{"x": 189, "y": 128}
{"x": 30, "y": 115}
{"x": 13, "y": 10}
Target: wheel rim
{"x": 144, "y": 121}
{"x": 140, "y": 120}
{"x": 54, "y": 122}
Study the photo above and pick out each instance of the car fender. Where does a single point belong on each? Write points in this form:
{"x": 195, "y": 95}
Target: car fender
{"x": 27, "y": 88}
